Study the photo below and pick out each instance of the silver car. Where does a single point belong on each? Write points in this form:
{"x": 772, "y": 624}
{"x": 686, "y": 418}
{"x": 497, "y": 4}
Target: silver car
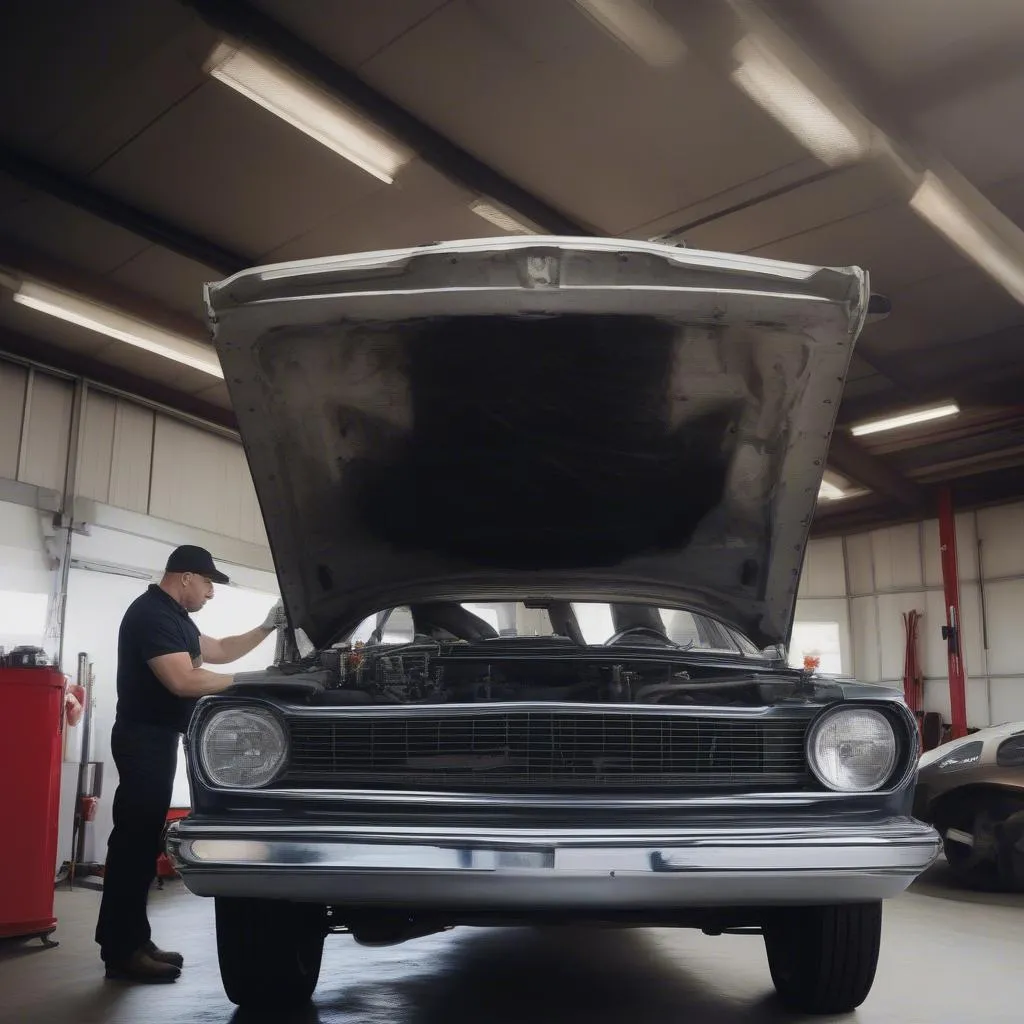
{"x": 972, "y": 791}
{"x": 538, "y": 509}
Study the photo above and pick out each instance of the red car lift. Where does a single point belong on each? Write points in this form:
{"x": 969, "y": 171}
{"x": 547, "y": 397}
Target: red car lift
{"x": 951, "y": 631}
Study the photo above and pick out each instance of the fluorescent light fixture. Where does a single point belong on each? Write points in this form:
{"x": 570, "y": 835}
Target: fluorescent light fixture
{"x": 309, "y": 108}
{"x": 972, "y": 233}
{"x": 906, "y": 419}
{"x": 830, "y": 492}
{"x": 834, "y": 135}
{"x": 499, "y": 218}
{"x": 638, "y": 26}
{"x": 77, "y": 309}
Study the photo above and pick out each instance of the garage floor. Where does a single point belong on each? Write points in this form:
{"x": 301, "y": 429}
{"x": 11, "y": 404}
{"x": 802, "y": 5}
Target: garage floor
{"x": 947, "y": 956}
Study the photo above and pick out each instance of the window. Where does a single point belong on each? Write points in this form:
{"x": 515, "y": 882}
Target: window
{"x": 818, "y": 640}
{"x": 597, "y": 623}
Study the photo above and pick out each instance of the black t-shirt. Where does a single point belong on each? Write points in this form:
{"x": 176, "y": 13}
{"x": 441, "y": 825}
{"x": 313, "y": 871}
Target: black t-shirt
{"x": 154, "y": 624}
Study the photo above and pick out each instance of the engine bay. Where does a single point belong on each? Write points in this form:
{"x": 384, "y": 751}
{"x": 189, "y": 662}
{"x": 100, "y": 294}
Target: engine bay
{"x": 534, "y": 669}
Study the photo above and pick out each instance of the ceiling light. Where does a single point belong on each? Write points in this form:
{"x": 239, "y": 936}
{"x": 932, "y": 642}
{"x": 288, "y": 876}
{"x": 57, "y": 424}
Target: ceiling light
{"x": 309, "y": 108}
{"x": 834, "y": 132}
{"x": 906, "y": 419}
{"x": 970, "y": 231}
{"x": 499, "y": 218}
{"x": 830, "y": 492}
{"x": 85, "y": 312}
{"x": 636, "y": 24}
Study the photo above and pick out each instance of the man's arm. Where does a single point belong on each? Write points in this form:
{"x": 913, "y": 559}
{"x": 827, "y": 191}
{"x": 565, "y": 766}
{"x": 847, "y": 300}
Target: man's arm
{"x": 231, "y": 648}
{"x": 184, "y": 679}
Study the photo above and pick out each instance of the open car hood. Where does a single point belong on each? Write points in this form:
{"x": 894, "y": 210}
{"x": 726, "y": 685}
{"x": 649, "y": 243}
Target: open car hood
{"x": 538, "y": 418}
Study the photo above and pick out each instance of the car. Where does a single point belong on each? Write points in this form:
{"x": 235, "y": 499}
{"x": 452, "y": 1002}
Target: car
{"x": 538, "y": 508}
{"x": 972, "y": 791}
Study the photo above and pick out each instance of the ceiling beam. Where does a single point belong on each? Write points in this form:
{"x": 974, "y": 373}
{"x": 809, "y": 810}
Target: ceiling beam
{"x": 41, "y": 177}
{"x": 248, "y": 25}
{"x": 997, "y": 379}
{"x": 77, "y": 364}
{"x": 851, "y": 460}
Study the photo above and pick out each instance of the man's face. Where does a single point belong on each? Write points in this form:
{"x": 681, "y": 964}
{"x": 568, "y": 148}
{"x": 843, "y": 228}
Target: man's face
{"x": 196, "y": 591}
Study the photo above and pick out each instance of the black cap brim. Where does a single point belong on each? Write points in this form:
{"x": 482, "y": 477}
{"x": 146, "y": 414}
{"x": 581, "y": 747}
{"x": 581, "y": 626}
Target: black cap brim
{"x": 218, "y": 577}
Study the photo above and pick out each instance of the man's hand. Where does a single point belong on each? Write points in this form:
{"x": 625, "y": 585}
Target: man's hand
{"x": 275, "y": 618}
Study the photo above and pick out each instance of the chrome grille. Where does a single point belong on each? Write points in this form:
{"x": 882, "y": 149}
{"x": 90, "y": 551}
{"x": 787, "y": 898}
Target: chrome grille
{"x": 546, "y": 750}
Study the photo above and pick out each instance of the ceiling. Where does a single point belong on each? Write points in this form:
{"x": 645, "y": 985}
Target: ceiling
{"x": 128, "y": 174}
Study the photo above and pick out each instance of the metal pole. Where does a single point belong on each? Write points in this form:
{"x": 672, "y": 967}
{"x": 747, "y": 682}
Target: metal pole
{"x": 952, "y": 631}
{"x": 78, "y": 823}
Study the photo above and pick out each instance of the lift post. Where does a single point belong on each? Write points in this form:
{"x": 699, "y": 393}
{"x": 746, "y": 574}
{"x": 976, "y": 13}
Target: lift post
{"x": 951, "y": 632}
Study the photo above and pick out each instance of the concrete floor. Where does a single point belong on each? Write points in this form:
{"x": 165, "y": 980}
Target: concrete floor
{"x": 947, "y": 956}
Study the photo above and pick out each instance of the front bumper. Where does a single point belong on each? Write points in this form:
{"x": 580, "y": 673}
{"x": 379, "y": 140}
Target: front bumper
{"x": 523, "y": 869}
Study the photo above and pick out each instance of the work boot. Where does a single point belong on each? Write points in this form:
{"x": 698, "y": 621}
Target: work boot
{"x": 163, "y": 956}
{"x": 141, "y": 967}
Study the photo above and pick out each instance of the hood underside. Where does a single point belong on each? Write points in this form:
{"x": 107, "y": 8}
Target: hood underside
{"x": 538, "y": 418}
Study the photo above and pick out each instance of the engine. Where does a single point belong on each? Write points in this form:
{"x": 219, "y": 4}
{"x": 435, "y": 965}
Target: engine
{"x": 520, "y": 669}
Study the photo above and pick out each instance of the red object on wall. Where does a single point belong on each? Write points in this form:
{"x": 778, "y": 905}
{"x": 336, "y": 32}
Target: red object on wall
{"x": 31, "y": 723}
{"x": 164, "y": 867}
{"x": 952, "y": 631}
{"x": 913, "y": 678}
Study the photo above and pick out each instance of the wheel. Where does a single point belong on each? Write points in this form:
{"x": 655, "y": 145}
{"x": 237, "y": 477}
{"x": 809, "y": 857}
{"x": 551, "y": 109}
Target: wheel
{"x": 823, "y": 959}
{"x": 1010, "y": 842}
{"x": 269, "y": 950}
{"x": 970, "y": 845}
{"x": 969, "y": 867}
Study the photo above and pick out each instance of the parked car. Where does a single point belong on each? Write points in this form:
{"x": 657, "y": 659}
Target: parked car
{"x": 508, "y": 440}
{"x": 972, "y": 791}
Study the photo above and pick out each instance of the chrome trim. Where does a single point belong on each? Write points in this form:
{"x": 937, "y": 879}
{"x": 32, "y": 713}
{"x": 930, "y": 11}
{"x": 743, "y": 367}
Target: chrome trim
{"x": 888, "y": 832}
{"x": 520, "y": 869}
{"x": 497, "y": 801}
{"x": 797, "y": 713}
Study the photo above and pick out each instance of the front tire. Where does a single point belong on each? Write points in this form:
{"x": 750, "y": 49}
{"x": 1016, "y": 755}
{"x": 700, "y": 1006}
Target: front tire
{"x": 823, "y": 959}
{"x": 269, "y": 950}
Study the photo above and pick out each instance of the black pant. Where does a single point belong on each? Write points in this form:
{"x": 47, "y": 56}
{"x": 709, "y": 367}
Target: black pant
{"x": 146, "y": 757}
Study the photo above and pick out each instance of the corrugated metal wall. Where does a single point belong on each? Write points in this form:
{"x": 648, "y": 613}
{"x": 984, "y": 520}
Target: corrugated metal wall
{"x": 35, "y": 420}
{"x": 130, "y": 456}
{"x": 865, "y": 582}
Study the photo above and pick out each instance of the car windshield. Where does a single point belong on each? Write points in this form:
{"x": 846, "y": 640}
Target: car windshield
{"x": 591, "y": 623}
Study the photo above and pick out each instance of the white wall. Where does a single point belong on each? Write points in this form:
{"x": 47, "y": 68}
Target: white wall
{"x": 26, "y": 580}
{"x": 865, "y": 582}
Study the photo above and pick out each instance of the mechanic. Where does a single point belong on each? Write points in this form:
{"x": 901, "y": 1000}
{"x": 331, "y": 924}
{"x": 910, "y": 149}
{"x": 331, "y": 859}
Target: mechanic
{"x": 160, "y": 676}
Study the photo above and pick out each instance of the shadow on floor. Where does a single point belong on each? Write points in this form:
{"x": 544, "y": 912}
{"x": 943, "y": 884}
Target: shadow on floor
{"x": 938, "y": 883}
{"x": 13, "y": 949}
{"x": 566, "y": 976}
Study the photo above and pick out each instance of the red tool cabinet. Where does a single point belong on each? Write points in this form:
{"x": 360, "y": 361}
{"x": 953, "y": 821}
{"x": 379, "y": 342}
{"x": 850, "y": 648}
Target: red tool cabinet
{"x": 31, "y": 721}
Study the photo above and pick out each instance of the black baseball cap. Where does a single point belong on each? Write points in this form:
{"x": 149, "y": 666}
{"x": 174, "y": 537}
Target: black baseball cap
{"x": 189, "y": 558}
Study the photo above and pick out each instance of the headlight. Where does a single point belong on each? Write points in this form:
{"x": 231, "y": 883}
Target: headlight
{"x": 242, "y": 748}
{"x": 852, "y": 750}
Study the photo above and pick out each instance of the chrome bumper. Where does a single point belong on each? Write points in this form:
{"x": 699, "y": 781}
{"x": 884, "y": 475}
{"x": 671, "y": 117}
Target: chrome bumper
{"x": 523, "y": 869}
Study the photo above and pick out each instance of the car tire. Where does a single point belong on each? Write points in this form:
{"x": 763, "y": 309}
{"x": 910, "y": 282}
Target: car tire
{"x": 975, "y": 866}
{"x": 823, "y": 959}
{"x": 269, "y": 950}
{"x": 1010, "y": 845}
